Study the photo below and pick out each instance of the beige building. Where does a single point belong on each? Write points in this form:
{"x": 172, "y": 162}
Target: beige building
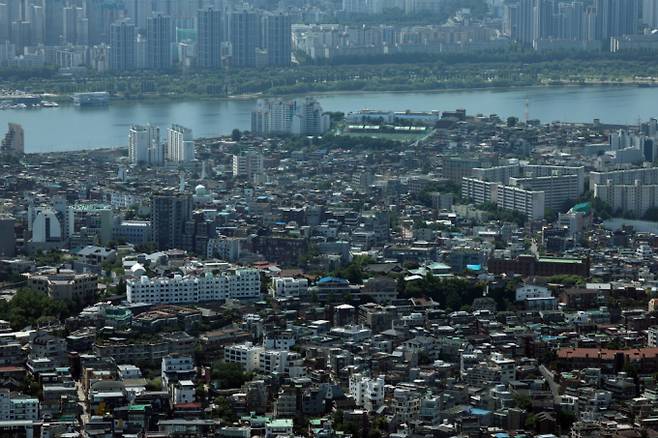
{"x": 62, "y": 284}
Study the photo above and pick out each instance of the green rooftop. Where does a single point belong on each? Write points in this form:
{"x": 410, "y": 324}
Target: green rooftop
{"x": 137, "y": 407}
{"x": 583, "y": 207}
{"x": 280, "y": 423}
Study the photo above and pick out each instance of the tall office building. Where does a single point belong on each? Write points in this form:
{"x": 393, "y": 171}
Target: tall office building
{"x": 209, "y": 38}
{"x": 277, "y": 38}
{"x": 180, "y": 144}
{"x": 54, "y": 21}
{"x": 144, "y": 145}
{"x": 159, "y": 42}
{"x": 123, "y": 40}
{"x": 244, "y": 37}
{"x": 170, "y": 212}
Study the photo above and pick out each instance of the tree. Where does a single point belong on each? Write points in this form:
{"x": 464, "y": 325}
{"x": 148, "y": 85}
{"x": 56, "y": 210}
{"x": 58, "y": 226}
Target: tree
{"x": 229, "y": 375}
{"x": 236, "y": 135}
{"x": 224, "y": 410}
{"x": 28, "y": 305}
{"x": 154, "y": 384}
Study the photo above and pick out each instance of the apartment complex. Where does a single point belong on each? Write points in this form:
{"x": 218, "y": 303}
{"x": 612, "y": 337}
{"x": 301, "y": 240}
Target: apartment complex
{"x": 529, "y": 189}
{"x": 297, "y": 116}
{"x": 231, "y": 284}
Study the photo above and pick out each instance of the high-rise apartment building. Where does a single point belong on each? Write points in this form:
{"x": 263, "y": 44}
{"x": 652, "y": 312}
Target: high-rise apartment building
{"x": 4, "y": 22}
{"x": 139, "y": 11}
{"x": 54, "y": 20}
{"x": 123, "y": 46}
{"x": 247, "y": 164}
{"x": 144, "y": 145}
{"x": 14, "y": 141}
{"x": 180, "y": 144}
{"x": 159, "y": 42}
{"x": 209, "y": 38}
{"x": 650, "y": 13}
{"x": 277, "y": 38}
{"x": 244, "y": 36}
{"x": 170, "y": 212}
{"x": 298, "y": 116}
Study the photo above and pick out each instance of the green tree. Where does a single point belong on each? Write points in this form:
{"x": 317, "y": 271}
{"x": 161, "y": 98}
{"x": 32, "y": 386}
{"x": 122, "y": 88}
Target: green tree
{"x": 27, "y": 306}
{"x": 224, "y": 411}
{"x": 229, "y": 375}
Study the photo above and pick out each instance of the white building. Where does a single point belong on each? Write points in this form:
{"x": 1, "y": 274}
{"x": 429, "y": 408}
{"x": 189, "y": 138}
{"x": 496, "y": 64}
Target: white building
{"x": 635, "y": 198}
{"x": 247, "y": 164}
{"x": 479, "y": 191}
{"x": 518, "y": 187}
{"x": 247, "y": 355}
{"x": 557, "y": 188}
{"x": 652, "y": 340}
{"x": 182, "y": 392}
{"x": 144, "y": 145}
{"x": 230, "y": 284}
{"x": 645, "y": 175}
{"x": 17, "y": 409}
{"x": 531, "y": 291}
{"x": 281, "y": 361}
{"x": 406, "y": 404}
{"x": 174, "y": 366}
{"x": 225, "y": 248}
{"x": 180, "y": 144}
{"x": 528, "y": 202}
{"x": 298, "y": 116}
{"x": 288, "y": 287}
{"x": 44, "y": 224}
{"x": 367, "y": 392}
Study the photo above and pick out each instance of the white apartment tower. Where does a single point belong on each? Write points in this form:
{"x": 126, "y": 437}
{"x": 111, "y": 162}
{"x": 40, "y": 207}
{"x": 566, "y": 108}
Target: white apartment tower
{"x": 298, "y": 116}
{"x": 144, "y": 145}
{"x": 180, "y": 144}
{"x": 367, "y": 392}
{"x": 247, "y": 164}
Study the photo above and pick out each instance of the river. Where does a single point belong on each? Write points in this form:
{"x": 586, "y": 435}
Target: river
{"x": 72, "y": 128}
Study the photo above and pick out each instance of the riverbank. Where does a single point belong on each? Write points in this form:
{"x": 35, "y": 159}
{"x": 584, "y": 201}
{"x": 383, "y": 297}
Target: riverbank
{"x": 451, "y": 72}
{"x": 147, "y": 97}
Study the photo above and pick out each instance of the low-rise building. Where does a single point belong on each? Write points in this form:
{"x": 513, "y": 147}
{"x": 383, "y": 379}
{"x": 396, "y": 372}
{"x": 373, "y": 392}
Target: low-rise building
{"x": 231, "y": 284}
{"x": 61, "y": 284}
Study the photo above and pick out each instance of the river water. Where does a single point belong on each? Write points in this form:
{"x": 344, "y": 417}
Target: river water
{"x": 72, "y": 128}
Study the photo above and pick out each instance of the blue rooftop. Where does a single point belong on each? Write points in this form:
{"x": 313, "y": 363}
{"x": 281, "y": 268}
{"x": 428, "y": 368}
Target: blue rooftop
{"x": 480, "y": 412}
{"x": 474, "y": 267}
{"x": 325, "y": 280}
